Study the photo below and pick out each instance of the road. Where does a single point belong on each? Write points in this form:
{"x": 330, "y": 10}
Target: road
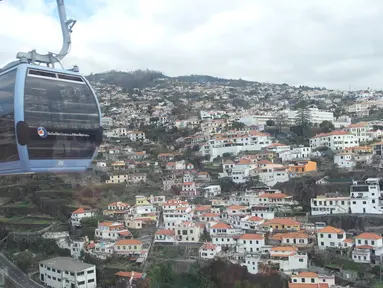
{"x": 11, "y": 271}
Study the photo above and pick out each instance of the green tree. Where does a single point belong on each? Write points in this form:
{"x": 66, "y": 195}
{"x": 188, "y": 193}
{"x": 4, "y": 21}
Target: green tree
{"x": 270, "y": 123}
{"x": 326, "y": 126}
{"x": 238, "y": 125}
{"x": 24, "y": 260}
{"x": 302, "y": 126}
{"x": 205, "y": 236}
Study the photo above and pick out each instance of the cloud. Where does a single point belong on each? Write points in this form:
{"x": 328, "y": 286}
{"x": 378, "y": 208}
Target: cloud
{"x": 322, "y": 43}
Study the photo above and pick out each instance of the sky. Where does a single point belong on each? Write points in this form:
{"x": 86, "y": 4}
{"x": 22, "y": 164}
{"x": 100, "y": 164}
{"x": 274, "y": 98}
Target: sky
{"x": 326, "y": 43}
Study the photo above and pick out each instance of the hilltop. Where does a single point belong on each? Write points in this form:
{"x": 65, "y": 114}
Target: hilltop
{"x": 148, "y": 78}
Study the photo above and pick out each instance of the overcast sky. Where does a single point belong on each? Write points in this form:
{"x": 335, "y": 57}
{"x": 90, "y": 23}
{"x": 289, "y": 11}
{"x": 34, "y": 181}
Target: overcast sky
{"x": 331, "y": 43}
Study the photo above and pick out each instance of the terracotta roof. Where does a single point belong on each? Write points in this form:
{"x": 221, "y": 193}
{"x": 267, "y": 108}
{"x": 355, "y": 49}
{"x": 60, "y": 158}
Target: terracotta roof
{"x": 264, "y": 161}
{"x": 128, "y": 242}
{"x": 367, "y": 235}
{"x": 136, "y": 275}
{"x": 274, "y": 195}
{"x": 332, "y": 134}
{"x": 276, "y": 145}
{"x": 284, "y": 248}
{"x": 221, "y": 225}
{"x": 125, "y": 233}
{"x": 248, "y": 236}
{"x": 364, "y": 247}
{"x": 356, "y": 125}
{"x": 165, "y": 232}
{"x": 209, "y": 246}
{"x": 306, "y": 275}
{"x": 80, "y": 210}
{"x": 255, "y": 219}
{"x": 294, "y": 235}
{"x": 308, "y": 285}
{"x": 237, "y": 207}
{"x": 282, "y": 221}
{"x": 349, "y": 240}
{"x": 202, "y": 207}
{"x": 244, "y": 162}
{"x": 330, "y": 229}
{"x": 210, "y": 215}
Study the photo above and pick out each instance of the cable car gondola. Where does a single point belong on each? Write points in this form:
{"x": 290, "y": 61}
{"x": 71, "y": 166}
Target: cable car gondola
{"x": 50, "y": 119}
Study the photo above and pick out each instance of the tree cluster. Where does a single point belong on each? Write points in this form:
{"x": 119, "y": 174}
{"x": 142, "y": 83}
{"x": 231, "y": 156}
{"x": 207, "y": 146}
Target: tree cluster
{"x": 216, "y": 274}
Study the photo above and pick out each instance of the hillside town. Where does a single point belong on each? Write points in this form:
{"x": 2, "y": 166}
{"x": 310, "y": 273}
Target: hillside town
{"x": 214, "y": 161}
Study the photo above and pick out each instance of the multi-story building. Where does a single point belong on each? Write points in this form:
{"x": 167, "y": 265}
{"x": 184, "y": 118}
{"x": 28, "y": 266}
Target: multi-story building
{"x": 288, "y": 259}
{"x": 336, "y": 140}
{"x": 250, "y": 243}
{"x": 368, "y": 248}
{"x": 331, "y": 237}
{"x": 307, "y": 278}
{"x": 112, "y": 231}
{"x": 212, "y": 191}
{"x": 67, "y": 272}
{"x": 349, "y": 159}
{"x": 188, "y": 232}
{"x": 234, "y": 144}
{"x": 128, "y": 247}
{"x": 364, "y": 198}
{"x": 359, "y": 130}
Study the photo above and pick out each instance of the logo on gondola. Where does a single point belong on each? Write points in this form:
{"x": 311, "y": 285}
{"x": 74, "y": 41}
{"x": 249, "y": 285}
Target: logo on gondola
{"x": 42, "y": 132}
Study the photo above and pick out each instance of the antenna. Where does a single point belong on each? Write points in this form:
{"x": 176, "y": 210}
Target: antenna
{"x": 33, "y": 57}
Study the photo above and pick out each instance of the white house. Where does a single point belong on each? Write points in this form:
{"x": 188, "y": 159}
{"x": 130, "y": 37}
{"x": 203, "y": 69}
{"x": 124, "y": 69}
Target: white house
{"x": 212, "y": 191}
{"x": 209, "y": 250}
{"x": 366, "y": 245}
{"x": 251, "y": 262}
{"x": 312, "y": 278}
{"x": 164, "y": 236}
{"x": 64, "y": 271}
{"x": 250, "y": 243}
{"x": 288, "y": 258}
{"x": 79, "y": 214}
{"x": 112, "y": 231}
{"x": 300, "y": 152}
{"x": 331, "y": 237}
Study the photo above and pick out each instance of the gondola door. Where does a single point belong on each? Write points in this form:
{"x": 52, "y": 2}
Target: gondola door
{"x": 9, "y": 156}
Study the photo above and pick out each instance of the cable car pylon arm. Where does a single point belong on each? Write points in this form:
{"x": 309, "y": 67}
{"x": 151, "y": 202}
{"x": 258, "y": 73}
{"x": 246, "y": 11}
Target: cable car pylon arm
{"x": 50, "y": 59}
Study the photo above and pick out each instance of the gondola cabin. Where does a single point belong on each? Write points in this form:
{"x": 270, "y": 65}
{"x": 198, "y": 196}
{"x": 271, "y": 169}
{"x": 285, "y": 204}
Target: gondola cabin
{"x": 50, "y": 121}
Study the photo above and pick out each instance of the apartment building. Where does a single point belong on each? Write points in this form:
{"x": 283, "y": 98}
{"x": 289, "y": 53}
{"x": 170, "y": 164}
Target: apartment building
{"x": 364, "y": 198}
{"x": 67, "y": 272}
{"x": 250, "y": 243}
{"x": 234, "y": 144}
{"x": 360, "y": 131}
{"x": 336, "y": 140}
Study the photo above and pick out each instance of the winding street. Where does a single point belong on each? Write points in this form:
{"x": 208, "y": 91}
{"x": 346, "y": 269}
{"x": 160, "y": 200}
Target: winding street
{"x": 12, "y": 272}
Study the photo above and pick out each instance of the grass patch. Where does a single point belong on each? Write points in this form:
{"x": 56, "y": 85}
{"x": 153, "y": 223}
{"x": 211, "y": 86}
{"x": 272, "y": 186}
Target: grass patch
{"x": 20, "y": 205}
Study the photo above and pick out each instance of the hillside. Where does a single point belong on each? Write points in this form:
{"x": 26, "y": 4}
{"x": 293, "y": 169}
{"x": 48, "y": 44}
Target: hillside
{"x": 128, "y": 80}
{"x": 148, "y": 78}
